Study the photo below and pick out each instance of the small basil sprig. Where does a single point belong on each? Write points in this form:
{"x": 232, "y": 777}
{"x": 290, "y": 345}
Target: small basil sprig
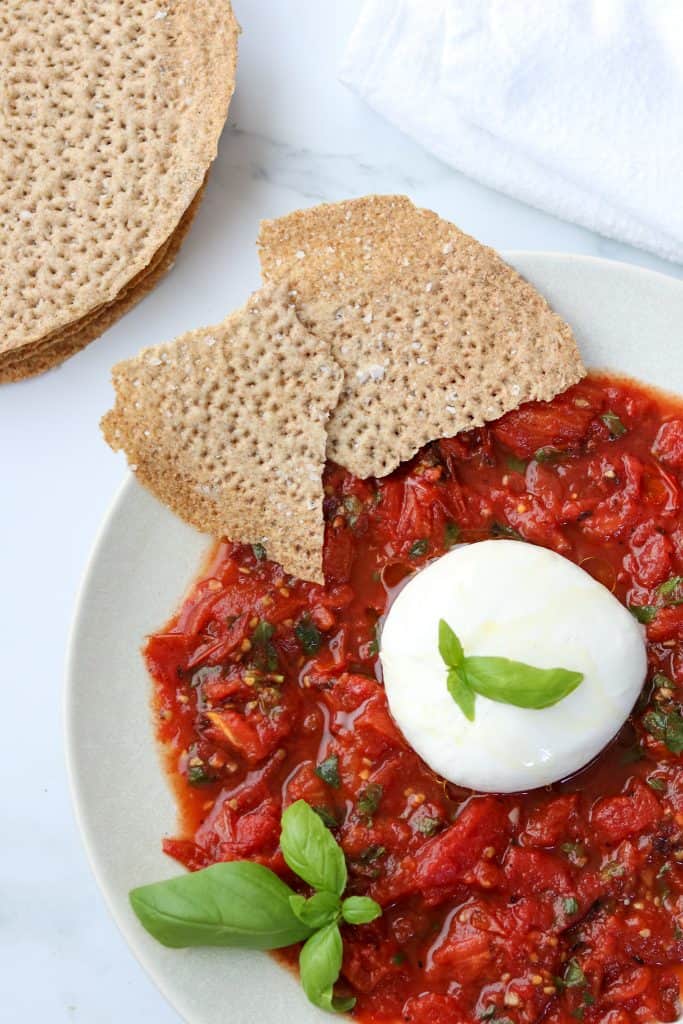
{"x": 500, "y": 679}
{"x": 247, "y": 905}
{"x": 310, "y": 849}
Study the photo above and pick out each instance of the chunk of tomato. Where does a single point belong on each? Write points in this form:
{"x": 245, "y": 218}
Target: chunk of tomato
{"x": 619, "y": 817}
{"x": 668, "y": 446}
{"x": 444, "y": 862}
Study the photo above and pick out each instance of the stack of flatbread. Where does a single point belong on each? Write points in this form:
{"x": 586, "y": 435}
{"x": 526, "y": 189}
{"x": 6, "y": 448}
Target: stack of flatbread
{"x": 110, "y": 115}
{"x": 379, "y": 327}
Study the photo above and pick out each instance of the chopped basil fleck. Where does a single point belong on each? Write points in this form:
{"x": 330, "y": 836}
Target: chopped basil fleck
{"x": 660, "y": 680}
{"x": 451, "y": 534}
{"x": 398, "y": 959}
{"x": 666, "y": 726}
{"x": 632, "y": 754}
{"x": 571, "y": 905}
{"x": 575, "y": 851}
{"x": 672, "y": 591}
{"x": 573, "y": 975}
{"x": 373, "y": 646}
{"x": 197, "y": 775}
{"x": 548, "y": 454}
{"x": 328, "y": 771}
{"x": 263, "y": 632}
{"x": 372, "y": 853}
{"x": 353, "y": 507}
{"x": 643, "y": 612}
{"x": 665, "y": 868}
{"x": 657, "y": 784}
{"x": 614, "y": 425}
{"x": 308, "y": 635}
{"x": 368, "y": 801}
{"x": 419, "y": 548}
{"x": 259, "y": 552}
{"x": 265, "y": 655}
{"x": 428, "y": 826}
{"x": 327, "y": 817}
{"x": 613, "y": 869}
{"x": 501, "y": 530}
{"x": 515, "y": 464}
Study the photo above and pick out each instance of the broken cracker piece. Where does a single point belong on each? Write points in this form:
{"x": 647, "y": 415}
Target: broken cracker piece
{"x": 226, "y": 426}
{"x": 435, "y": 332}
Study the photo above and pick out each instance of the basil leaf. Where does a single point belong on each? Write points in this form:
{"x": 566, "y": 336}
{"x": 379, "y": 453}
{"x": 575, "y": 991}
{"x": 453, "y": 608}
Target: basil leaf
{"x": 322, "y": 908}
{"x": 461, "y": 692}
{"x": 311, "y": 850}
{"x": 234, "y": 904}
{"x": 320, "y": 962}
{"x": 614, "y": 425}
{"x": 328, "y": 771}
{"x": 360, "y": 910}
{"x": 450, "y": 647}
{"x": 513, "y": 682}
{"x": 571, "y": 905}
{"x": 643, "y": 612}
{"x": 259, "y": 551}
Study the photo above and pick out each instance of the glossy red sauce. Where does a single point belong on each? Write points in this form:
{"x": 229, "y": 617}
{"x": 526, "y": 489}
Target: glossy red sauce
{"x": 488, "y": 900}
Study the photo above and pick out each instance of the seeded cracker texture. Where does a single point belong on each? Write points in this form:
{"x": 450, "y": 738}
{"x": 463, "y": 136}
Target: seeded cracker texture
{"x": 110, "y": 114}
{"x": 226, "y": 426}
{"x": 435, "y": 332}
{"x": 41, "y": 356}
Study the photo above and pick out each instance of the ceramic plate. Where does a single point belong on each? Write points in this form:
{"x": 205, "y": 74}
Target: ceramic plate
{"x": 626, "y": 320}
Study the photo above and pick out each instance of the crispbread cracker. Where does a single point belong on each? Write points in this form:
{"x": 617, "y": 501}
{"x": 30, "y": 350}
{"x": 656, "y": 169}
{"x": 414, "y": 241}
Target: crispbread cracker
{"x": 110, "y": 115}
{"x": 43, "y": 355}
{"x": 435, "y": 333}
{"x": 226, "y": 425}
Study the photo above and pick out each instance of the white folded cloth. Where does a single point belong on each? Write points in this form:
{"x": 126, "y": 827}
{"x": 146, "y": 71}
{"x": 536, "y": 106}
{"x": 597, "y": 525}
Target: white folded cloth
{"x": 574, "y": 106}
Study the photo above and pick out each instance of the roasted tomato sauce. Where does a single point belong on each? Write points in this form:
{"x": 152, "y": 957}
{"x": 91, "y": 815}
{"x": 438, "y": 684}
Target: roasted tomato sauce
{"x": 560, "y": 904}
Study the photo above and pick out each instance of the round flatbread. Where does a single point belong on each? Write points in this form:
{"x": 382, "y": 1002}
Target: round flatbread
{"x": 110, "y": 116}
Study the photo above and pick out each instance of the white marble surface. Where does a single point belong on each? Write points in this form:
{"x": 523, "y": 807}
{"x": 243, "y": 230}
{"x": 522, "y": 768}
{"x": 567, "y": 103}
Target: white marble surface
{"x": 295, "y": 137}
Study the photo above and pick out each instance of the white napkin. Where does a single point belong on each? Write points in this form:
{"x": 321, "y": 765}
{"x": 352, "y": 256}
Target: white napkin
{"x": 573, "y": 106}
